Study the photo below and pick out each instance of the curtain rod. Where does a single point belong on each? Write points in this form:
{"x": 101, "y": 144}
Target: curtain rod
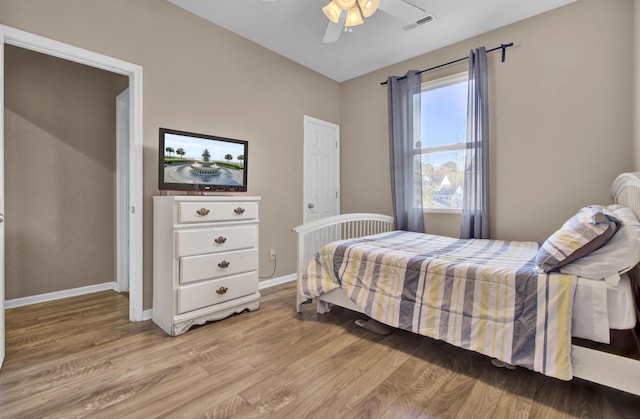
{"x": 503, "y": 47}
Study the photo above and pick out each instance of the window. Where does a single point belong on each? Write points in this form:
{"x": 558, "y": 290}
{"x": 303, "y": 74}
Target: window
{"x": 442, "y": 144}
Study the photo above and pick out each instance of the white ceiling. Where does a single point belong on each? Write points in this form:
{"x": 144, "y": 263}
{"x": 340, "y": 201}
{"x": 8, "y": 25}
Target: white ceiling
{"x": 295, "y": 28}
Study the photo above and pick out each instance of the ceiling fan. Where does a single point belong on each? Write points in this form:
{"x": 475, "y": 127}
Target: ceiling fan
{"x": 344, "y": 14}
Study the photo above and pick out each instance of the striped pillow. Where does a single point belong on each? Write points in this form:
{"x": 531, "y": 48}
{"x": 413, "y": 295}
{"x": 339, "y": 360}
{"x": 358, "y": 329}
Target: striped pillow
{"x": 583, "y": 233}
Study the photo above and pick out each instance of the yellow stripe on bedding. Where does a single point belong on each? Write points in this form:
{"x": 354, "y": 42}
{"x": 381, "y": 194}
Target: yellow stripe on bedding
{"x": 398, "y": 287}
{"x": 325, "y": 279}
{"x": 565, "y": 296}
{"x": 350, "y": 271}
{"x": 384, "y": 299}
{"x": 482, "y": 314}
{"x": 503, "y": 308}
{"x": 434, "y": 299}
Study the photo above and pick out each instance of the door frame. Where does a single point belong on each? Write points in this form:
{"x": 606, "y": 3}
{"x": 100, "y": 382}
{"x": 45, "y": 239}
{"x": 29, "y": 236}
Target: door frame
{"x": 131, "y": 172}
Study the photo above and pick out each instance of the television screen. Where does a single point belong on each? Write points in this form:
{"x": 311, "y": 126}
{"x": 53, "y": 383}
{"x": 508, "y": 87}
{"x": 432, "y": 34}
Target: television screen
{"x": 199, "y": 162}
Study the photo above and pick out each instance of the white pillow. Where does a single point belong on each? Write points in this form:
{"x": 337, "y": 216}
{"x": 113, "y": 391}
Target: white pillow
{"x": 589, "y": 229}
{"x": 618, "y": 255}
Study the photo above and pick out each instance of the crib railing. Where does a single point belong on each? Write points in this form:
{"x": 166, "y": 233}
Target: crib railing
{"x": 626, "y": 191}
{"x": 315, "y": 234}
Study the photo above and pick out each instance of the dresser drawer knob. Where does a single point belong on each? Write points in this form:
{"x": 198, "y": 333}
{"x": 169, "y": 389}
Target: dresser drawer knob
{"x": 220, "y": 240}
{"x": 224, "y": 264}
{"x": 222, "y": 290}
{"x": 239, "y": 210}
{"x": 202, "y": 212}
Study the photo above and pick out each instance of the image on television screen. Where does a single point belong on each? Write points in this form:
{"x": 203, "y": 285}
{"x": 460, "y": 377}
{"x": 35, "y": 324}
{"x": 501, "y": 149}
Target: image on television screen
{"x": 196, "y": 161}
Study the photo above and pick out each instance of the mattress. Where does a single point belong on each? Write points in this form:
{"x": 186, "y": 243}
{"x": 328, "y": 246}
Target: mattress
{"x": 598, "y": 307}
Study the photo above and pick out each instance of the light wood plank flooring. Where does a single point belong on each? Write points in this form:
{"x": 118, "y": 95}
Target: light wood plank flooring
{"x": 81, "y": 357}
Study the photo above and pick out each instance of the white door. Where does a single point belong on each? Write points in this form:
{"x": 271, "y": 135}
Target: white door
{"x": 1, "y": 197}
{"x": 321, "y": 169}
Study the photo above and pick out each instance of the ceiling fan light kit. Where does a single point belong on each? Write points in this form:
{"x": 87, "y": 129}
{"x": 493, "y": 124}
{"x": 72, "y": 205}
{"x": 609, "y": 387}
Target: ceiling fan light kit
{"x": 355, "y": 10}
{"x": 345, "y": 4}
{"x": 332, "y": 11}
{"x": 354, "y": 18}
{"x": 344, "y": 14}
{"x": 368, "y": 7}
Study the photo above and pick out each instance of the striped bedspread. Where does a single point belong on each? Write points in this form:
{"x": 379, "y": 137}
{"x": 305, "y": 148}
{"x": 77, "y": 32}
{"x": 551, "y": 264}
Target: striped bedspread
{"x": 481, "y": 295}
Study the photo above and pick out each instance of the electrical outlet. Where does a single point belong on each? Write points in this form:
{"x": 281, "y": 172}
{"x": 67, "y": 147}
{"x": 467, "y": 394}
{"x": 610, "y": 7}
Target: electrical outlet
{"x": 272, "y": 254}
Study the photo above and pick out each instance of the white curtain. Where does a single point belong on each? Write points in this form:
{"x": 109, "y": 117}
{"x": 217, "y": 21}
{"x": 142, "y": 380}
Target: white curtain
{"x": 406, "y": 167}
{"x": 475, "y": 206}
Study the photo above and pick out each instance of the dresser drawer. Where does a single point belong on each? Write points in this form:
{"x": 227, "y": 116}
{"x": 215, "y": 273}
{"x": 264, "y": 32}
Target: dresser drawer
{"x": 204, "y": 294}
{"x": 203, "y": 212}
{"x": 216, "y": 265}
{"x": 197, "y": 242}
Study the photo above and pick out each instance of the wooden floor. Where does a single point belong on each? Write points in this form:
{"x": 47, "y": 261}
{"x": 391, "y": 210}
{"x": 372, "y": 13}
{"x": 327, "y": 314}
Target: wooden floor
{"x": 81, "y": 357}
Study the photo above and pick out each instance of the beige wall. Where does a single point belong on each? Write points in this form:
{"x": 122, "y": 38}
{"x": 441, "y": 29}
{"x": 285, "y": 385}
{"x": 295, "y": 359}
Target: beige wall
{"x": 59, "y": 173}
{"x": 199, "y": 77}
{"x": 561, "y": 115}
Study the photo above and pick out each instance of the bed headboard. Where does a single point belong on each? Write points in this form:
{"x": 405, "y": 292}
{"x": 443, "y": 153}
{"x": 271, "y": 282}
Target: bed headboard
{"x": 315, "y": 234}
{"x": 626, "y": 191}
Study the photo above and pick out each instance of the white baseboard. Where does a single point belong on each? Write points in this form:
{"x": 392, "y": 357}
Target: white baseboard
{"x": 277, "y": 281}
{"x": 58, "y": 295}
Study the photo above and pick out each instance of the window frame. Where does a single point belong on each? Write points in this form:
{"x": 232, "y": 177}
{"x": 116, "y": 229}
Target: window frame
{"x": 432, "y": 85}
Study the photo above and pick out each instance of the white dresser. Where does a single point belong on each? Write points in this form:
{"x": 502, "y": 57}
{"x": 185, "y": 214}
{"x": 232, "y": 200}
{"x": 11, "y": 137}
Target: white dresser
{"x": 205, "y": 259}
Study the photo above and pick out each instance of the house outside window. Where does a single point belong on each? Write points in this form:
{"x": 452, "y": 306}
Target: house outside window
{"x": 442, "y": 145}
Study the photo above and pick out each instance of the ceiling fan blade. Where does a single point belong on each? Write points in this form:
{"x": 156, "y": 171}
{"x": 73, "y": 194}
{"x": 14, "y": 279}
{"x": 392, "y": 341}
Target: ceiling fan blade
{"x": 332, "y": 34}
{"x": 402, "y": 10}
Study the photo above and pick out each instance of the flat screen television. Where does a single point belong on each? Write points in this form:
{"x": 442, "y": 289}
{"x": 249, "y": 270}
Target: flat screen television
{"x": 199, "y": 162}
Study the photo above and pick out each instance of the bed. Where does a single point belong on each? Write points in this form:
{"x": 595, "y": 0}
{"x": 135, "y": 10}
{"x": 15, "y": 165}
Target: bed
{"x": 559, "y": 323}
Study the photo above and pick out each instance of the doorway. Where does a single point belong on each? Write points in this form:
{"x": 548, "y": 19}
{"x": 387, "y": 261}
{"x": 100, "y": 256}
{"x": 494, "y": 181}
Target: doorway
{"x": 60, "y": 174}
{"x": 132, "y": 213}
